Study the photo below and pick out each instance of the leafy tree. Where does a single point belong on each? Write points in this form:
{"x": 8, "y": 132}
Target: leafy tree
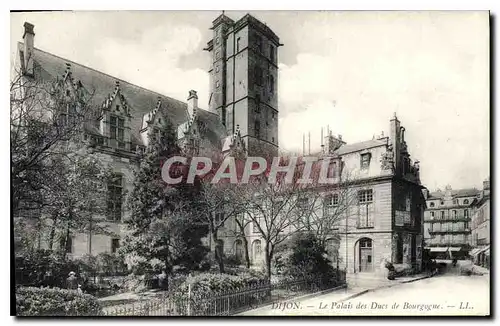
{"x": 163, "y": 228}
{"x": 306, "y": 258}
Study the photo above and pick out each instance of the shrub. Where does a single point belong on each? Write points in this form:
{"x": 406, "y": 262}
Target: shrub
{"x": 207, "y": 290}
{"x": 31, "y": 268}
{"x": 32, "y": 301}
{"x": 110, "y": 264}
{"x": 305, "y": 258}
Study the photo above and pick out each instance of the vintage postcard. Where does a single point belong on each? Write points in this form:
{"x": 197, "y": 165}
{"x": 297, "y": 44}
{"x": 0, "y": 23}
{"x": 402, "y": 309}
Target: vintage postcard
{"x": 260, "y": 163}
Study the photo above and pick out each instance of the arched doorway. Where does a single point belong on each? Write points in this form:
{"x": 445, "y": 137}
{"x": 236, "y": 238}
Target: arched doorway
{"x": 238, "y": 246}
{"x": 365, "y": 254}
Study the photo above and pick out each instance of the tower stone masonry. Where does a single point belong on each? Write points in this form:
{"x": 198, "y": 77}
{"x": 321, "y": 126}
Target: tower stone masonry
{"x": 244, "y": 81}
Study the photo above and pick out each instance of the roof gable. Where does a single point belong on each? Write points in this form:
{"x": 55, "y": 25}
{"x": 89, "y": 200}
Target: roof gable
{"x": 49, "y": 67}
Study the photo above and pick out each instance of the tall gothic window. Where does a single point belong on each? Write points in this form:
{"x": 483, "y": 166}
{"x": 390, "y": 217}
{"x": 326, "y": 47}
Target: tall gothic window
{"x": 258, "y": 75}
{"x": 238, "y": 44}
{"x": 271, "y": 84}
{"x": 117, "y": 130}
{"x": 115, "y": 190}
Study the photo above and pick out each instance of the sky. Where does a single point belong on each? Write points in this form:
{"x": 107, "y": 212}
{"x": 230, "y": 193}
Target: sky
{"x": 350, "y": 71}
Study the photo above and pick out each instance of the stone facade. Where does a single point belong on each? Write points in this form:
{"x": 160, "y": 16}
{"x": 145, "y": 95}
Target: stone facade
{"x": 480, "y": 224}
{"x": 447, "y": 219}
{"x": 384, "y": 222}
{"x": 124, "y": 115}
{"x": 244, "y": 80}
{"x": 385, "y": 219}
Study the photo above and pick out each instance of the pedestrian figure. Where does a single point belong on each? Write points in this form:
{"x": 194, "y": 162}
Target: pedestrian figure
{"x": 48, "y": 279}
{"x": 72, "y": 281}
{"x": 163, "y": 280}
{"x": 392, "y": 271}
{"x": 84, "y": 281}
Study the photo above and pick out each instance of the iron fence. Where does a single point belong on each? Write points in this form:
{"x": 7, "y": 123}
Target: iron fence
{"x": 226, "y": 303}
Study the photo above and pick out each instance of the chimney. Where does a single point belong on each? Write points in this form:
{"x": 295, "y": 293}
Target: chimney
{"x": 29, "y": 44}
{"x": 333, "y": 143}
{"x": 395, "y": 140}
{"x": 486, "y": 184}
{"x": 192, "y": 103}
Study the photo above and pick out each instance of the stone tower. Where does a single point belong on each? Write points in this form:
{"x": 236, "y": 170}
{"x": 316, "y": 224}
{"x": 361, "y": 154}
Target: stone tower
{"x": 244, "y": 81}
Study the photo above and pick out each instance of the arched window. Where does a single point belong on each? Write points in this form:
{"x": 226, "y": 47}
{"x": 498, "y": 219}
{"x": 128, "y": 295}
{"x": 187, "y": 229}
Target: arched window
{"x": 432, "y": 205}
{"x": 238, "y": 246}
{"x": 256, "y": 250}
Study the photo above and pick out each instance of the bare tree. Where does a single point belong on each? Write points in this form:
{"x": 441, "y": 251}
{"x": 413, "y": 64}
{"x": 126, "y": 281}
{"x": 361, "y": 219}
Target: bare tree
{"x": 46, "y": 119}
{"x": 270, "y": 204}
{"x": 219, "y": 206}
{"x": 323, "y": 208}
{"x": 242, "y": 223}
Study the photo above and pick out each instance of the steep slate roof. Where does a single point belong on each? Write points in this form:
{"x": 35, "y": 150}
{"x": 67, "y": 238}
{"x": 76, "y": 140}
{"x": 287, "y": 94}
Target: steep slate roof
{"x": 140, "y": 100}
{"x": 356, "y": 147}
{"x": 211, "y": 127}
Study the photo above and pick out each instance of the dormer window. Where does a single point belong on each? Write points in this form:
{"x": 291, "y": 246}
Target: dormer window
{"x": 117, "y": 130}
{"x": 68, "y": 93}
{"x": 466, "y": 202}
{"x": 117, "y": 108}
{"x": 365, "y": 160}
{"x": 432, "y": 204}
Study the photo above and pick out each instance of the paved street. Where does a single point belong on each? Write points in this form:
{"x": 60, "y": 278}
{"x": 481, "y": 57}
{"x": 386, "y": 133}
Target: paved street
{"x": 440, "y": 295}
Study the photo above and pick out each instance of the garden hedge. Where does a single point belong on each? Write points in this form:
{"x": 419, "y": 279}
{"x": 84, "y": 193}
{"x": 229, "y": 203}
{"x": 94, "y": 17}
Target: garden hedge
{"x": 32, "y": 301}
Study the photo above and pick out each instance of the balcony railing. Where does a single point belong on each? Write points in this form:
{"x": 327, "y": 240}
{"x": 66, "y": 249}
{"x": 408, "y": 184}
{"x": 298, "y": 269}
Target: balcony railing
{"x": 450, "y": 231}
{"x": 446, "y": 219}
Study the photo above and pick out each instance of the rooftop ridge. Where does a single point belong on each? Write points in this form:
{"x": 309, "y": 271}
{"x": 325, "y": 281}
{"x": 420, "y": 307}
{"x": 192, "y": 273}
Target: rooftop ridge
{"x": 106, "y": 74}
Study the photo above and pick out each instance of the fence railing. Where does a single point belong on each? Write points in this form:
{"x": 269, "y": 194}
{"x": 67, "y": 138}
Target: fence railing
{"x": 195, "y": 303}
